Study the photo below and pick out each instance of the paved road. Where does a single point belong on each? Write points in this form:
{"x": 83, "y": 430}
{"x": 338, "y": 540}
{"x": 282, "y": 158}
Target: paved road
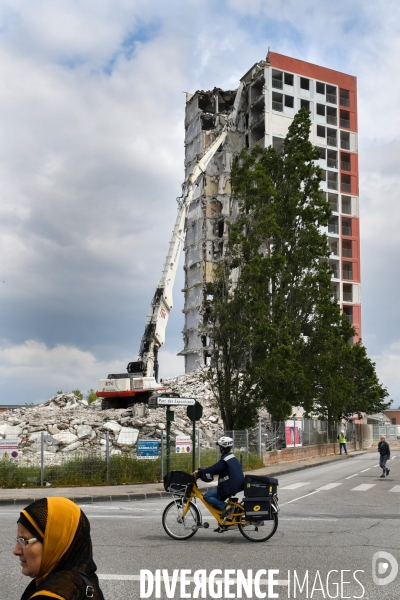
{"x": 333, "y": 518}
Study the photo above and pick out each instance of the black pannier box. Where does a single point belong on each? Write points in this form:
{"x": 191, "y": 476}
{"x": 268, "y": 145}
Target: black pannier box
{"x": 177, "y": 481}
{"x": 258, "y": 509}
{"x": 257, "y": 486}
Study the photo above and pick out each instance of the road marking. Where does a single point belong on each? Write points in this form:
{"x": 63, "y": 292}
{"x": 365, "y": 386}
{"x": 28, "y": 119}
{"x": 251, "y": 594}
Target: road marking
{"x": 366, "y": 470}
{"x": 374, "y": 467}
{"x": 299, "y": 498}
{"x": 294, "y": 486}
{"x": 355, "y": 474}
{"x": 116, "y": 508}
{"x": 113, "y": 577}
{"x": 396, "y": 488}
{"x": 304, "y": 519}
{"x": 363, "y": 487}
{"x": 330, "y": 486}
{"x": 113, "y": 517}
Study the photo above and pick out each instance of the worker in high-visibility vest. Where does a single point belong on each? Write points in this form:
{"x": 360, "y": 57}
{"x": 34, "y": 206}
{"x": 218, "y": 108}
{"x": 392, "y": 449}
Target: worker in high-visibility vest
{"x": 342, "y": 441}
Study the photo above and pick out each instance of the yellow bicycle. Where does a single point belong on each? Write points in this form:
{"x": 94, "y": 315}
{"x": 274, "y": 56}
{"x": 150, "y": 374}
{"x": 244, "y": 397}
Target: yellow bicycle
{"x": 256, "y": 516}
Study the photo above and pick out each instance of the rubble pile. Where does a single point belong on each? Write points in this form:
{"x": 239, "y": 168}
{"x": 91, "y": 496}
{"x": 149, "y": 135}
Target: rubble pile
{"x": 69, "y": 424}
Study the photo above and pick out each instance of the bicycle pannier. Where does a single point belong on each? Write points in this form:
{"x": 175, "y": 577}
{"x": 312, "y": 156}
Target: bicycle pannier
{"x": 177, "y": 481}
{"x": 256, "y": 486}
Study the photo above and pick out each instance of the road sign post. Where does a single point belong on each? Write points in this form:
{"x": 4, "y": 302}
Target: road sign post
{"x": 194, "y": 412}
{"x": 166, "y": 401}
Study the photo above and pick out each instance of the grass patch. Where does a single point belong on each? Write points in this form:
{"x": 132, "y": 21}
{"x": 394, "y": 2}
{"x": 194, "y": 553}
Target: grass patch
{"x": 92, "y": 470}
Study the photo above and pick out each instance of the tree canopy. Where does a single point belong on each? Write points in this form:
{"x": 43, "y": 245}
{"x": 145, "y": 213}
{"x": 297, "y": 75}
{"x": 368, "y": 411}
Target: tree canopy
{"x": 277, "y": 334}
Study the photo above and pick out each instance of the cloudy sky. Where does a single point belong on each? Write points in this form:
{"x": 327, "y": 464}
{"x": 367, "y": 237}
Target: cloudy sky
{"x": 91, "y": 143}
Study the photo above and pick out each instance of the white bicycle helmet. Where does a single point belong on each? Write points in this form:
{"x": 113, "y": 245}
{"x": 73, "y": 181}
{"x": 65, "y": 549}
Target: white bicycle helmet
{"x": 225, "y": 442}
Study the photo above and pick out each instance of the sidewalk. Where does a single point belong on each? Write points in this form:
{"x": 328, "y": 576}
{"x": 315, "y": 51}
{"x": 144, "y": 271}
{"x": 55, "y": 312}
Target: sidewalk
{"x": 145, "y": 491}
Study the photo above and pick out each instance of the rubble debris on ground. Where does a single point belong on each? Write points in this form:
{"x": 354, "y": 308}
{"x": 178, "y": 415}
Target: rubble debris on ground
{"x": 70, "y": 423}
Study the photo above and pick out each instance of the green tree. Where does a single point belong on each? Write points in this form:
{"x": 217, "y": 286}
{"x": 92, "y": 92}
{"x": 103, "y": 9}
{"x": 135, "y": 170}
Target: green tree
{"x": 272, "y": 319}
{"x": 77, "y": 393}
{"x": 91, "y": 396}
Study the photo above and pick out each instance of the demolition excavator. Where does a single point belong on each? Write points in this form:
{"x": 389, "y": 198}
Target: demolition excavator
{"x": 120, "y": 390}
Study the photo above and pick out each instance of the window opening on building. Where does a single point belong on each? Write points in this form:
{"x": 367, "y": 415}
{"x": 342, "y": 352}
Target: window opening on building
{"x": 333, "y": 202}
{"x": 321, "y": 131}
{"x": 345, "y": 140}
{"x": 278, "y": 144}
{"x": 332, "y": 180}
{"x": 345, "y": 161}
{"x": 322, "y": 152}
{"x": 288, "y": 79}
{"x": 331, "y": 115}
{"x": 348, "y": 311}
{"x": 333, "y": 247}
{"x": 344, "y": 118}
{"x": 304, "y": 83}
{"x": 334, "y": 266}
{"x": 320, "y": 88}
{"x": 305, "y": 104}
{"x": 347, "y": 292}
{"x": 346, "y": 226}
{"x": 332, "y": 159}
{"x": 347, "y": 249}
{"x": 346, "y": 183}
{"x": 347, "y": 270}
{"x": 344, "y": 98}
{"x": 277, "y": 79}
{"x": 331, "y": 94}
{"x": 333, "y": 225}
{"x": 331, "y": 137}
{"x": 289, "y": 101}
{"x": 346, "y": 205}
{"x": 277, "y": 101}
{"x": 335, "y": 291}
{"x": 321, "y": 109}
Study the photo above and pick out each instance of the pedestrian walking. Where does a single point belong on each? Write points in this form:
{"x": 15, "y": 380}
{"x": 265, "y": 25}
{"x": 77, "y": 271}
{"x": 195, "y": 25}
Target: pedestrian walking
{"x": 384, "y": 451}
{"x": 342, "y": 441}
{"x": 54, "y": 549}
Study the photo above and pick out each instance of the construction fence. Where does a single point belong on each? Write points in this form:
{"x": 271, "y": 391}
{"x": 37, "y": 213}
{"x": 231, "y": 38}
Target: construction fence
{"x": 108, "y": 466}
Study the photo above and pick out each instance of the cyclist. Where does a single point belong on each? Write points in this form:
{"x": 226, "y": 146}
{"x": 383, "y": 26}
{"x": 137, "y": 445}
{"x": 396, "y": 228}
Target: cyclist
{"x": 230, "y": 476}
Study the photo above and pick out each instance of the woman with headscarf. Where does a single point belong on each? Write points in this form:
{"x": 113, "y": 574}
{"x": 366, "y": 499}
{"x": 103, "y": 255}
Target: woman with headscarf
{"x": 55, "y": 549}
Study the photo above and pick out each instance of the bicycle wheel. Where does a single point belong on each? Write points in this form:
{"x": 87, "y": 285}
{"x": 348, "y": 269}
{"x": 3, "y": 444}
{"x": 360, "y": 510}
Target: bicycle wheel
{"x": 180, "y": 528}
{"x": 260, "y": 531}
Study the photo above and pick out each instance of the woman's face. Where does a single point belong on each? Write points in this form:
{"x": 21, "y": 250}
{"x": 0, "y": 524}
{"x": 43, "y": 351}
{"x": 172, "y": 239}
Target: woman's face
{"x": 30, "y": 557}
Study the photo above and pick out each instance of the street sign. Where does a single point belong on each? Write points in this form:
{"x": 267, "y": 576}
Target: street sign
{"x": 8, "y": 448}
{"x": 183, "y": 445}
{"x": 176, "y": 401}
{"x": 195, "y": 412}
{"x": 147, "y": 449}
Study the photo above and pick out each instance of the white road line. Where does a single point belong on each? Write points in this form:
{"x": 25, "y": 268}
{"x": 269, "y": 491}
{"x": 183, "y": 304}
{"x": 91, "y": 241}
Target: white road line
{"x": 116, "y": 508}
{"x": 113, "y": 577}
{"x": 366, "y": 470}
{"x": 396, "y": 488}
{"x": 330, "y": 486}
{"x": 363, "y": 487}
{"x": 374, "y": 467}
{"x": 355, "y": 475}
{"x": 294, "y": 486}
{"x": 113, "y": 517}
{"x": 299, "y": 498}
{"x": 304, "y": 519}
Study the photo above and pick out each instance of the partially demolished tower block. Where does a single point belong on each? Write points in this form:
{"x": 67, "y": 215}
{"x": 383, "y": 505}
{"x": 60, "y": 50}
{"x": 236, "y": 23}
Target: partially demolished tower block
{"x": 270, "y": 93}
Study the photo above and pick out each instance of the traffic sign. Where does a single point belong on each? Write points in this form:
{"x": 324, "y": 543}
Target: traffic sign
{"x": 176, "y": 401}
{"x": 195, "y": 412}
